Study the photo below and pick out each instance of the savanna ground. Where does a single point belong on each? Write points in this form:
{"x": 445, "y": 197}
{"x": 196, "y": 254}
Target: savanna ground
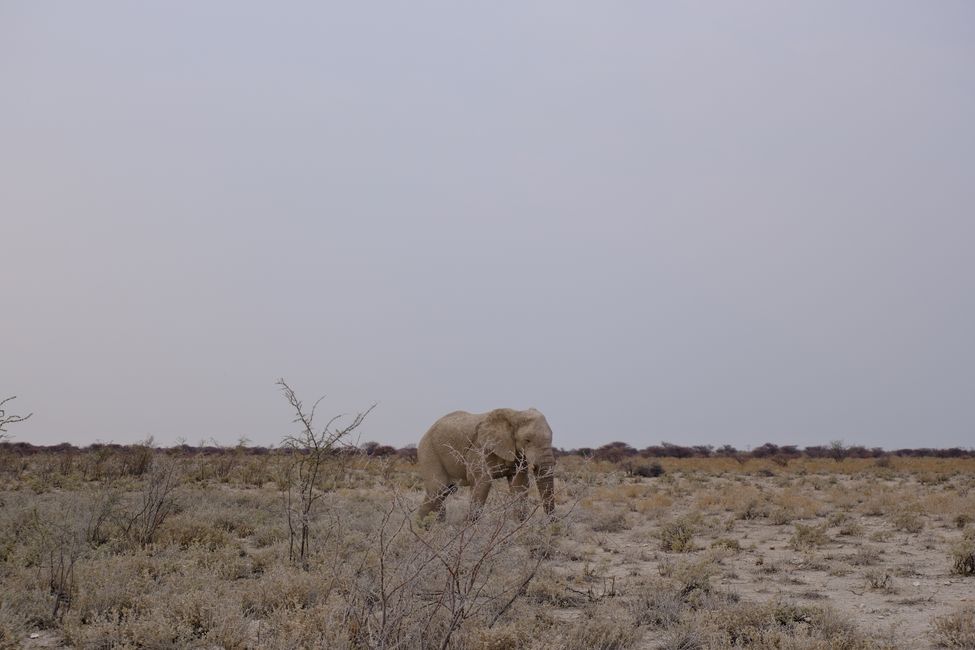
{"x": 135, "y": 547}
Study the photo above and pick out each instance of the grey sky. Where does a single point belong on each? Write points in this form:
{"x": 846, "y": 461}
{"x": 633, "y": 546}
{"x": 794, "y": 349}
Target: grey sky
{"x": 693, "y": 222}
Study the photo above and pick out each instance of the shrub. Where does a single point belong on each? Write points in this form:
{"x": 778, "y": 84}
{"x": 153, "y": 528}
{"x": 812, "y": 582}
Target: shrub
{"x": 955, "y": 630}
{"x": 605, "y": 627}
{"x": 753, "y": 508}
{"x": 727, "y": 542}
{"x": 908, "y": 520}
{"x": 807, "y": 537}
{"x": 677, "y": 536}
{"x": 851, "y": 529}
{"x": 878, "y": 579}
{"x": 652, "y": 470}
{"x": 610, "y": 522}
{"x": 865, "y": 556}
{"x": 657, "y": 605}
{"x": 963, "y": 555}
{"x": 779, "y": 625}
{"x": 12, "y": 627}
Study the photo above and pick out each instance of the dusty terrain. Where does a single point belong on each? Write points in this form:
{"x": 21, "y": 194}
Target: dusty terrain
{"x": 140, "y": 548}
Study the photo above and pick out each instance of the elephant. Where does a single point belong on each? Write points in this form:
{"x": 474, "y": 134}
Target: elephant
{"x": 475, "y": 448}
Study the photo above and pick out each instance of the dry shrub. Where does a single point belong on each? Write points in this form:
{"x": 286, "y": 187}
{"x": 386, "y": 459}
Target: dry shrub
{"x": 269, "y": 535}
{"x": 753, "y": 508}
{"x": 851, "y": 529}
{"x": 190, "y": 529}
{"x": 13, "y": 627}
{"x": 604, "y": 626}
{"x": 677, "y": 536}
{"x": 729, "y": 543}
{"x": 612, "y": 521}
{"x": 878, "y": 579}
{"x": 776, "y": 625}
{"x": 781, "y": 516}
{"x": 199, "y": 614}
{"x": 885, "y": 502}
{"x": 652, "y": 470}
{"x": 500, "y": 637}
{"x": 549, "y": 588}
{"x": 109, "y": 586}
{"x": 865, "y": 556}
{"x": 908, "y": 520}
{"x": 807, "y": 537}
{"x": 657, "y": 605}
{"x": 798, "y": 505}
{"x": 963, "y": 555}
{"x": 27, "y": 597}
{"x": 256, "y": 471}
{"x": 156, "y": 503}
{"x": 653, "y": 504}
{"x": 694, "y": 578}
{"x": 225, "y": 562}
{"x": 955, "y": 630}
{"x": 685, "y": 635}
{"x": 282, "y": 588}
{"x": 621, "y": 493}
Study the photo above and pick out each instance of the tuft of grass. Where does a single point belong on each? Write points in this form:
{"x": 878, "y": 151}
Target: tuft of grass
{"x": 955, "y": 630}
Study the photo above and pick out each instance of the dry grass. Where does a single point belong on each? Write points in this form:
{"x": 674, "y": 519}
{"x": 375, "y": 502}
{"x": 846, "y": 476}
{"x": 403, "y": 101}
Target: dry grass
{"x": 955, "y": 630}
{"x": 712, "y": 553}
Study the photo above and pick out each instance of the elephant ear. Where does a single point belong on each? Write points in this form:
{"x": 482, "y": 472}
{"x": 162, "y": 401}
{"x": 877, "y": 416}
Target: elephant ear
{"x": 497, "y": 434}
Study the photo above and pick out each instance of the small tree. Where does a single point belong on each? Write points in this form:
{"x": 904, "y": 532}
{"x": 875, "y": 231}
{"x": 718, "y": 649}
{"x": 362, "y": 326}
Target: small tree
{"x": 9, "y": 419}
{"x": 837, "y": 450}
{"x": 157, "y": 503}
{"x": 309, "y": 449}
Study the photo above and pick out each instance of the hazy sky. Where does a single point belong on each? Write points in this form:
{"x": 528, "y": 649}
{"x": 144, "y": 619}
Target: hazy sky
{"x": 693, "y": 222}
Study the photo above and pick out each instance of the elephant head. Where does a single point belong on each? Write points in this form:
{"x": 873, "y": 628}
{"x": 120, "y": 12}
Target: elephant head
{"x": 523, "y": 437}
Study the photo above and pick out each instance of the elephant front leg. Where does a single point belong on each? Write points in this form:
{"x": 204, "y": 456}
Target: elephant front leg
{"x": 480, "y": 488}
{"x": 518, "y": 484}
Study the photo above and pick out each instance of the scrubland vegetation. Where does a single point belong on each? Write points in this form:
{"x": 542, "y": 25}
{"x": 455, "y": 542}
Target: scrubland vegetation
{"x": 131, "y": 546}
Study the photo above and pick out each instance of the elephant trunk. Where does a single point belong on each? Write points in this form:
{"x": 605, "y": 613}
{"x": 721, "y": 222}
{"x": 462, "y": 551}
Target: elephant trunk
{"x": 545, "y": 480}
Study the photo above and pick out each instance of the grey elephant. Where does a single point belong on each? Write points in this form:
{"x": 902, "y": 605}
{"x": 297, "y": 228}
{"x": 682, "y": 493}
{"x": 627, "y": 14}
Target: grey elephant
{"x": 473, "y": 449}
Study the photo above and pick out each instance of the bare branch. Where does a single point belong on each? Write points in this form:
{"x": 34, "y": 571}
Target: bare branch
{"x": 9, "y": 419}
{"x": 309, "y": 449}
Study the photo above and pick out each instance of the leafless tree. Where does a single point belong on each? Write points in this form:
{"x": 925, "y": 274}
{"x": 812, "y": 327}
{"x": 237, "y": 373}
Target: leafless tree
{"x": 59, "y": 546}
{"x": 157, "y": 503}
{"x": 309, "y": 449}
{"x": 9, "y": 419}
